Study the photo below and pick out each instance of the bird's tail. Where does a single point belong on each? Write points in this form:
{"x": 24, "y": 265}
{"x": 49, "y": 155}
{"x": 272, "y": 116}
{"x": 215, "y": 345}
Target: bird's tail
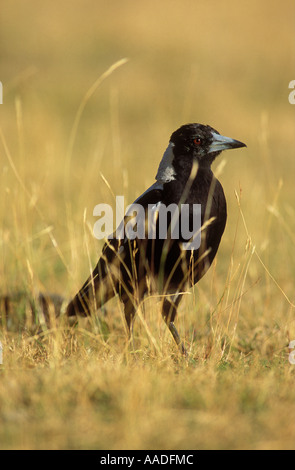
{"x": 96, "y": 291}
{"x": 29, "y": 310}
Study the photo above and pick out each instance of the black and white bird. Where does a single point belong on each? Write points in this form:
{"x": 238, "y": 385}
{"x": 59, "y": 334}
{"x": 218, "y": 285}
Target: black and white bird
{"x": 167, "y": 265}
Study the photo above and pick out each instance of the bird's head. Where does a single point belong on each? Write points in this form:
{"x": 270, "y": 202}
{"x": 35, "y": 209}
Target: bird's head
{"x": 193, "y": 142}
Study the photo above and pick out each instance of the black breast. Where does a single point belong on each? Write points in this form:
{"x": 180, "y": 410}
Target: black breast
{"x": 207, "y": 191}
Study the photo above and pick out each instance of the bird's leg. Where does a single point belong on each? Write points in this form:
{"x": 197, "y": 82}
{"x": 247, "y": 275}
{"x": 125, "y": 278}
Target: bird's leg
{"x": 129, "y": 311}
{"x": 169, "y": 310}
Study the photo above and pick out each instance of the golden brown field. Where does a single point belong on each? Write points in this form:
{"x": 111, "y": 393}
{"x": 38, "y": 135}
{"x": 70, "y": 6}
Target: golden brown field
{"x": 75, "y": 133}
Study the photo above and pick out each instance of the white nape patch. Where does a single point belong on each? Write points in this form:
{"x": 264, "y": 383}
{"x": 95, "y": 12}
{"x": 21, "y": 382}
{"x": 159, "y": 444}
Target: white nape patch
{"x": 166, "y": 170}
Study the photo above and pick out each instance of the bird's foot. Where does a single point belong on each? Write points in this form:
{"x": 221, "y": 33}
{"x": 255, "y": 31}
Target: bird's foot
{"x": 177, "y": 339}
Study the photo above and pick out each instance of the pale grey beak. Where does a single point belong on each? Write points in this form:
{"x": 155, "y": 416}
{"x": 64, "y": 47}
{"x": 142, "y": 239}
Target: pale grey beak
{"x": 220, "y": 142}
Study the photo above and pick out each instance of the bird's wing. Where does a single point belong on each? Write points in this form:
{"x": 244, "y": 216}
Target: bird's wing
{"x": 149, "y": 199}
{"x": 153, "y": 193}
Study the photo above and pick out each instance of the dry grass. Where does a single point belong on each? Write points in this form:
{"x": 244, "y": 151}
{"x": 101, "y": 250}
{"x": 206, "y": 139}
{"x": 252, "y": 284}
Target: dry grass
{"x": 226, "y": 65}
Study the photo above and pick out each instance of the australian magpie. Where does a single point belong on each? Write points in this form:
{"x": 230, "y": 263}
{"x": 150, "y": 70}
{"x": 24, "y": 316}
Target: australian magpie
{"x": 134, "y": 266}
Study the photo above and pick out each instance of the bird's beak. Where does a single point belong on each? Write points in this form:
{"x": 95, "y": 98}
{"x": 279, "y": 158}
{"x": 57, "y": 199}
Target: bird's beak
{"x": 220, "y": 142}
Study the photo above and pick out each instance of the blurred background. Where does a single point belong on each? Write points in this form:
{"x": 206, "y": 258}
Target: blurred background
{"x": 225, "y": 64}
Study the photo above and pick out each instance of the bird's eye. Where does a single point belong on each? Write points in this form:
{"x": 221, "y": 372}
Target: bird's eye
{"x": 197, "y": 141}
